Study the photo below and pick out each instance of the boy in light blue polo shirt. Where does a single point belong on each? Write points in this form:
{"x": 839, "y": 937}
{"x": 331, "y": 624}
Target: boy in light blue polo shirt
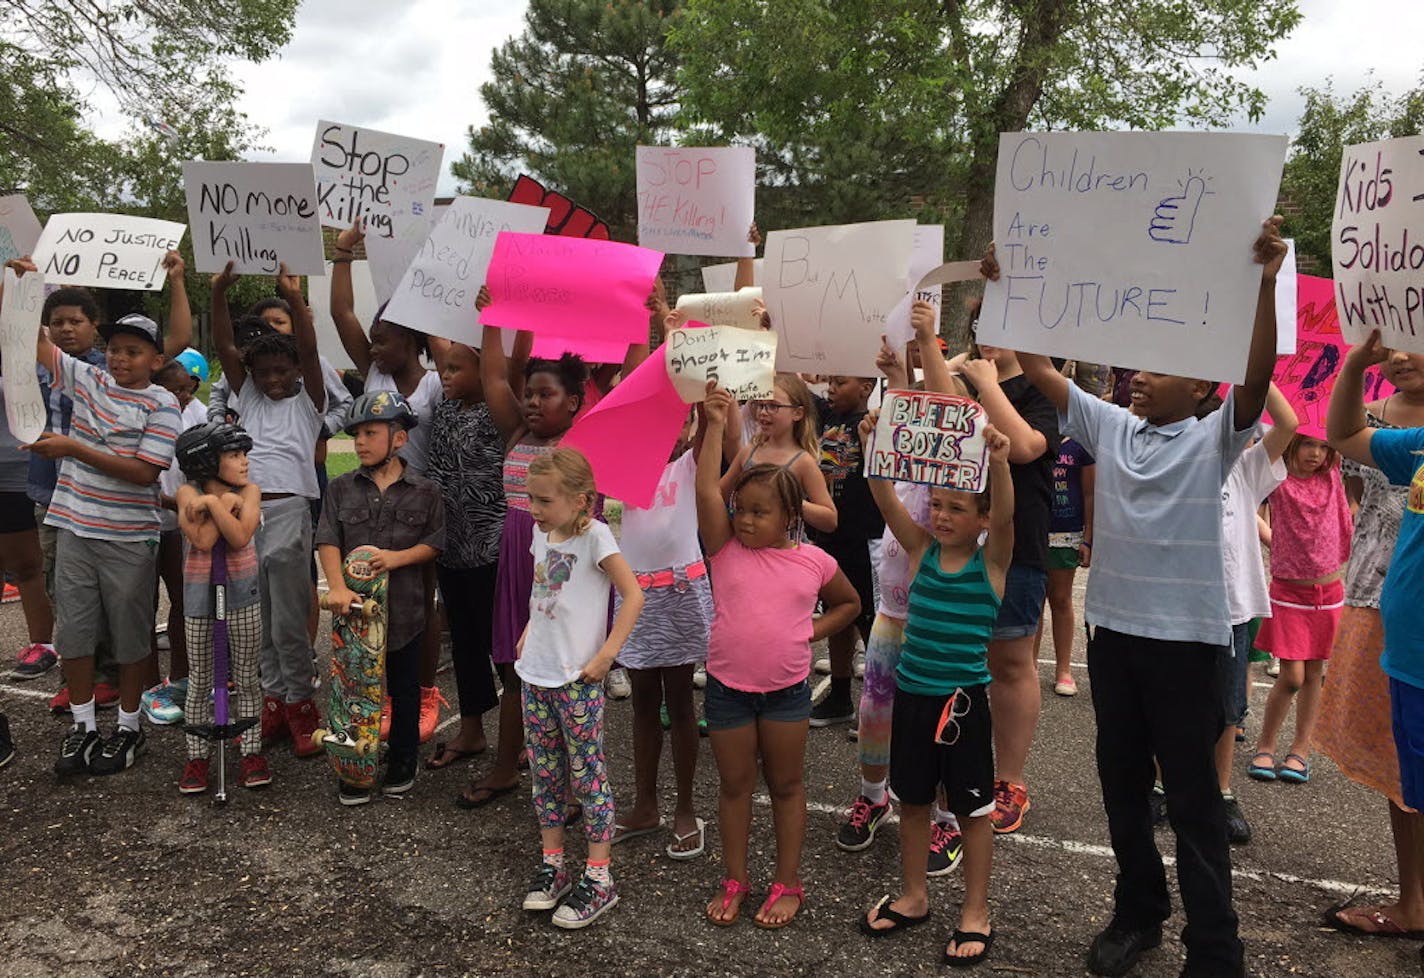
{"x": 1157, "y": 603}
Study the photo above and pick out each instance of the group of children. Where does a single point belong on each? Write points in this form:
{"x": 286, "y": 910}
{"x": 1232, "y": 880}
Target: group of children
{"x": 763, "y": 537}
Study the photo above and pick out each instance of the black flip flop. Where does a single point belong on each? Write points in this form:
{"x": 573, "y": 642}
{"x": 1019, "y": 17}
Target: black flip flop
{"x": 883, "y": 911}
{"x": 1333, "y": 921}
{"x": 462, "y": 801}
{"x": 969, "y": 960}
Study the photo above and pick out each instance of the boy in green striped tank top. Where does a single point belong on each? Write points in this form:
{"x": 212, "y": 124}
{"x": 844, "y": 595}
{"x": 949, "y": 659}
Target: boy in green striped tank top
{"x": 941, "y": 735}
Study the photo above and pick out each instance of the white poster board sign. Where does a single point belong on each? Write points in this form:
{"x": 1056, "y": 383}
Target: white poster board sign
{"x": 385, "y": 181}
{"x": 723, "y": 308}
{"x": 1287, "y": 303}
{"x": 328, "y": 341}
{"x": 931, "y": 439}
{"x": 19, "y": 328}
{"x": 437, "y": 293}
{"x": 722, "y": 277}
{"x": 106, "y": 251}
{"x": 928, "y": 255}
{"x": 1377, "y": 243}
{"x": 256, "y": 215}
{"x": 19, "y": 228}
{"x": 696, "y": 201}
{"x": 831, "y": 290}
{"x": 742, "y": 361}
{"x": 1131, "y": 248}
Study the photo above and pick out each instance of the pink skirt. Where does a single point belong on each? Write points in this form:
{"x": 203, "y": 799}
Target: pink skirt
{"x": 1304, "y": 618}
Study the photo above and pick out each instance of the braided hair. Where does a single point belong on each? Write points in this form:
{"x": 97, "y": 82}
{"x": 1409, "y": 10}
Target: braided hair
{"x": 785, "y": 486}
{"x": 270, "y": 344}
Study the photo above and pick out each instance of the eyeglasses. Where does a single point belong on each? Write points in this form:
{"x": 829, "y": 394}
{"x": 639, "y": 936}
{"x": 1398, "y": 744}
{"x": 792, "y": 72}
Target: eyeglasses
{"x": 768, "y": 405}
{"x": 955, "y": 708}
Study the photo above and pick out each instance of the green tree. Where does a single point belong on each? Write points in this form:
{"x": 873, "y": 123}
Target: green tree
{"x": 1328, "y": 124}
{"x": 571, "y": 98}
{"x": 55, "y": 53}
{"x": 871, "y": 108}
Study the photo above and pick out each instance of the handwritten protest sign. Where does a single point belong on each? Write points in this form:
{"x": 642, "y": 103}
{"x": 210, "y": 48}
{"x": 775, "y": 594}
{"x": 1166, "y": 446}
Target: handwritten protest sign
{"x": 256, "y": 215}
{"x": 106, "y": 251}
{"x": 437, "y": 293}
{"x": 1377, "y": 242}
{"x": 628, "y": 435}
{"x": 696, "y": 201}
{"x": 1131, "y": 248}
{"x": 19, "y": 228}
{"x": 831, "y": 290}
{"x": 932, "y": 439}
{"x": 723, "y": 308}
{"x": 548, "y": 283}
{"x": 928, "y": 255}
{"x": 1286, "y": 302}
{"x": 19, "y": 326}
{"x": 1306, "y": 376}
{"x": 722, "y": 277}
{"x": 742, "y": 361}
{"x": 385, "y": 181}
{"x": 319, "y": 298}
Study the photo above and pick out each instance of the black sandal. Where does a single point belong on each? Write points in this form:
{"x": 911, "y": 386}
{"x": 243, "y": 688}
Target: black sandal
{"x": 961, "y": 937}
{"x": 883, "y": 911}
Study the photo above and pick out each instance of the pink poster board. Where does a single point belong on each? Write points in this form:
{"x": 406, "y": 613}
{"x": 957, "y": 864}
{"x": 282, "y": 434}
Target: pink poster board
{"x": 1307, "y": 376}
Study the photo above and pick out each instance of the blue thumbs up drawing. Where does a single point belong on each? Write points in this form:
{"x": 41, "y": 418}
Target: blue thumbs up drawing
{"x": 1174, "y": 217}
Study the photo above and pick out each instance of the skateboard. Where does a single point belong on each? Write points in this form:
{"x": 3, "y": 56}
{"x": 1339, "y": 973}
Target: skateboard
{"x": 358, "y": 675}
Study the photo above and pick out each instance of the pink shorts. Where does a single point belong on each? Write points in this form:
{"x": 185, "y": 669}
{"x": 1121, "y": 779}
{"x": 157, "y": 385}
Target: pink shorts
{"x": 1303, "y": 620}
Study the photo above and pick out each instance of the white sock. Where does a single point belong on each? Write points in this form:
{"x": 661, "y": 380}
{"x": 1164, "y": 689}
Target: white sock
{"x": 84, "y": 714}
{"x": 947, "y": 819}
{"x": 128, "y": 721}
{"x": 874, "y": 790}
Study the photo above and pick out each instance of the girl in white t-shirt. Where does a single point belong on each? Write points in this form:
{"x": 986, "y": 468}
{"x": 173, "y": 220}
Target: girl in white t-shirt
{"x": 670, "y": 640}
{"x": 563, "y": 655}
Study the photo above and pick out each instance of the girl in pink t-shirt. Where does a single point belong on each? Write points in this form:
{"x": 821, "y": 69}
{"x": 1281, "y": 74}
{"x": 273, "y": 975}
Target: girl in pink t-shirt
{"x": 1310, "y": 545}
{"x": 758, "y": 703}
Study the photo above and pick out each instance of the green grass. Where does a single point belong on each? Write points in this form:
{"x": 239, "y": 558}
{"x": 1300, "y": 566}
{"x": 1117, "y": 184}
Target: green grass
{"x": 339, "y": 463}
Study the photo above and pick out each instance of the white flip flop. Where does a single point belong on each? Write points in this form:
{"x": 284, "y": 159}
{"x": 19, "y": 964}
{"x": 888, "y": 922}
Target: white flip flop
{"x": 701, "y": 830}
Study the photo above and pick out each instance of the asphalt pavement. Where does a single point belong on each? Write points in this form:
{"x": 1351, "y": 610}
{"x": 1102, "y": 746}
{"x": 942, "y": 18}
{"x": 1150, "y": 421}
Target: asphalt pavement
{"x": 124, "y": 876}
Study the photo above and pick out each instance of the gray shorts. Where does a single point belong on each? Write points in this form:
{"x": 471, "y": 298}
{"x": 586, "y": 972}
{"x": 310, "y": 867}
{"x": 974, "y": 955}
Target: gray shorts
{"x": 103, "y": 588}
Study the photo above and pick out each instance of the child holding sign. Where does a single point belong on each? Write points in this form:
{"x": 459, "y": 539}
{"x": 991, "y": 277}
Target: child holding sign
{"x": 758, "y": 699}
{"x": 1157, "y": 602}
{"x": 942, "y": 733}
{"x": 1310, "y": 545}
{"x": 105, "y": 512}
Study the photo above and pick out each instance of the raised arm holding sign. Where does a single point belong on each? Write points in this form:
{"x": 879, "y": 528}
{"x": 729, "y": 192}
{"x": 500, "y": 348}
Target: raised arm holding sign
{"x": 106, "y": 251}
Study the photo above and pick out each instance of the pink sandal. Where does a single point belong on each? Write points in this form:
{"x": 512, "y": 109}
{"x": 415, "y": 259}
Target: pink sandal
{"x": 778, "y": 891}
{"x": 731, "y": 889}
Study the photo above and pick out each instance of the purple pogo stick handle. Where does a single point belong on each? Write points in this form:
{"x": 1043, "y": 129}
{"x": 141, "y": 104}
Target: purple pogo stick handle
{"x": 219, "y": 576}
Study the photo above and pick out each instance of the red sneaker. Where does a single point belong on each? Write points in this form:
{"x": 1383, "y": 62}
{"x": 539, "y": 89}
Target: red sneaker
{"x": 1010, "y": 805}
{"x": 253, "y": 772}
{"x": 430, "y": 703}
{"x": 195, "y": 777}
{"x": 105, "y": 696}
{"x": 274, "y": 720}
{"x": 59, "y": 703}
{"x": 302, "y": 720}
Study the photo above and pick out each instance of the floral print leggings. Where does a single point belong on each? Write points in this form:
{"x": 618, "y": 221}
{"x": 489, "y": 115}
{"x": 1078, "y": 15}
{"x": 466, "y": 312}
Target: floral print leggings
{"x": 564, "y": 730}
{"x": 877, "y": 694}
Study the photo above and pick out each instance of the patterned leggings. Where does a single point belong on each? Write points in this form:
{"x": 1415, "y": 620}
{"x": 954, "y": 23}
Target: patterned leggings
{"x": 244, "y": 642}
{"x": 877, "y": 694}
{"x": 564, "y": 730}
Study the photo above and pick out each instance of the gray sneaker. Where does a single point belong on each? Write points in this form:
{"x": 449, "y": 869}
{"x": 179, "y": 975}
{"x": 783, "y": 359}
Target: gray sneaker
{"x": 587, "y": 902}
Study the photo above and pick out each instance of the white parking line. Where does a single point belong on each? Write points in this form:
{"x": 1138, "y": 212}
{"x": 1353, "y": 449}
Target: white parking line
{"x": 34, "y": 694}
{"x": 1104, "y": 852}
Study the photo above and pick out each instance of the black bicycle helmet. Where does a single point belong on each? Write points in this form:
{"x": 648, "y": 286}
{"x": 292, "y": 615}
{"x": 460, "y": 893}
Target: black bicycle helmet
{"x": 200, "y": 448}
{"x": 387, "y": 406}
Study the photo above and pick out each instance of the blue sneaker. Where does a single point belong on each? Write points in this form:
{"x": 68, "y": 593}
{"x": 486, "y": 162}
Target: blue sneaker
{"x": 163, "y": 704}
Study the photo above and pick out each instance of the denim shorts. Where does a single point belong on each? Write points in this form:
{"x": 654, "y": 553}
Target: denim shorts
{"x": 727, "y": 708}
{"x": 1236, "y": 665}
{"x": 1024, "y": 591}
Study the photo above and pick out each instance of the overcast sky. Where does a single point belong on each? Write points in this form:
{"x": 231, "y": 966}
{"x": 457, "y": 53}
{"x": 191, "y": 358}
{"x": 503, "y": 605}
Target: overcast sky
{"x": 415, "y": 68}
